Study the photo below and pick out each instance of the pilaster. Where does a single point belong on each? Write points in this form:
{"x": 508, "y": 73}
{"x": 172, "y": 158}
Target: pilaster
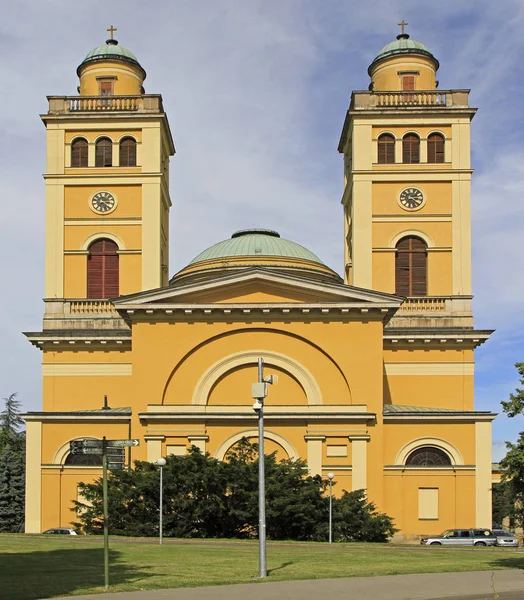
{"x": 33, "y": 477}
{"x": 314, "y": 453}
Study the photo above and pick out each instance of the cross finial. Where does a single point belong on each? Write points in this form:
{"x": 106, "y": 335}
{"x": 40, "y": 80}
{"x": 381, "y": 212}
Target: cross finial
{"x": 401, "y": 24}
{"x": 111, "y": 30}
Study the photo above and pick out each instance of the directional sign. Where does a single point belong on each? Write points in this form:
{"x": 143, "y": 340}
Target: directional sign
{"x": 86, "y": 444}
{"x": 116, "y": 459}
{"x": 115, "y": 452}
{"x": 116, "y": 466}
{"x": 122, "y": 443}
{"x": 75, "y": 450}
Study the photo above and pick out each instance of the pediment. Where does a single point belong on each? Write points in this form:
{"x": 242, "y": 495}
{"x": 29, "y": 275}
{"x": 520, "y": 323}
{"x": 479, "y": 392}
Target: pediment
{"x": 256, "y": 287}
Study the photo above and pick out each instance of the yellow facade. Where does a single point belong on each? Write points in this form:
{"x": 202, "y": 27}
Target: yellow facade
{"x": 366, "y": 378}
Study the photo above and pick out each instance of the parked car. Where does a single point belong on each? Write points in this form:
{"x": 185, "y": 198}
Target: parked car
{"x": 61, "y": 531}
{"x": 462, "y": 537}
{"x": 505, "y": 538}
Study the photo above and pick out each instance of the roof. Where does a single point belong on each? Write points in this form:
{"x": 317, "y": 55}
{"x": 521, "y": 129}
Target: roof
{"x": 398, "y": 410}
{"x": 258, "y": 243}
{"x": 403, "y": 45}
{"x": 111, "y": 50}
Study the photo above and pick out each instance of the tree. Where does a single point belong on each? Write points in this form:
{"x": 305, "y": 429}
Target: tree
{"x": 512, "y": 465}
{"x": 12, "y": 467}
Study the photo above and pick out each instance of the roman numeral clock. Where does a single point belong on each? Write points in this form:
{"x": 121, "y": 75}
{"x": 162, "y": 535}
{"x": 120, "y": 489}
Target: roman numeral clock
{"x": 103, "y": 203}
{"x": 411, "y": 198}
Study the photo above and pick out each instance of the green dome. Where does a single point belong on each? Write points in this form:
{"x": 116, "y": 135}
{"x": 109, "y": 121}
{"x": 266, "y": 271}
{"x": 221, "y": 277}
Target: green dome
{"x": 257, "y": 243}
{"x": 403, "y": 45}
{"x": 111, "y": 50}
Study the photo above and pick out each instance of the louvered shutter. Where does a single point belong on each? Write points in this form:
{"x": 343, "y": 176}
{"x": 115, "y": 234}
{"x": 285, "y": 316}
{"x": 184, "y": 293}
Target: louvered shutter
{"x": 410, "y": 148}
{"x": 435, "y": 148}
{"x": 128, "y": 153}
{"x": 408, "y": 83}
{"x": 103, "y": 270}
{"x": 411, "y": 267}
{"x": 386, "y": 149}
{"x": 79, "y": 153}
{"x": 104, "y": 153}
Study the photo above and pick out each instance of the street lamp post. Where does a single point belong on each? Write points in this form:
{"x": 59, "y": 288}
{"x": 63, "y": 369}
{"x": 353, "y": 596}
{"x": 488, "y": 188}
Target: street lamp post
{"x": 259, "y": 392}
{"x": 330, "y": 476}
{"x": 161, "y": 462}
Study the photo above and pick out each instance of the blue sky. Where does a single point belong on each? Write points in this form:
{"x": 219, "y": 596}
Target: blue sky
{"x": 256, "y": 92}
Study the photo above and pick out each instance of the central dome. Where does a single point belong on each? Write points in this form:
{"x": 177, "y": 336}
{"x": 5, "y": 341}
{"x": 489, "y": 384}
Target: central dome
{"x": 257, "y": 248}
{"x": 403, "y": 45}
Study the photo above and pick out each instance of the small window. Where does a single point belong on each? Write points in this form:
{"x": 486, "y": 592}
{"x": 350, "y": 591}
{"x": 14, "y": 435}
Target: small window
{"x": 106, "y": 88}
{"x": 104, "y": 153}
{"x": 411, "y": 267}
{"x": 408, "y": 83}
{"x": 411, "y": 148}
{"x": 428, "y": 456}
{"x": 83, "y": 460}
{"x": 79, "y": 153}
{"x": 103, "y": 270}
{"x": 128, "y": 152}
{"x": 435, "y": 148}
{"x": 386, "y": 149}
{"x": 464, "y": 533}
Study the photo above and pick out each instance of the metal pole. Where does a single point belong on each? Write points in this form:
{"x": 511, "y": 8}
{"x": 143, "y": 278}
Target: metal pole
{"x": 330, "y": 511}
{"x": 261, "y": 480}
{"x": 106, "y": 516}
{"x": 161, "y": 504}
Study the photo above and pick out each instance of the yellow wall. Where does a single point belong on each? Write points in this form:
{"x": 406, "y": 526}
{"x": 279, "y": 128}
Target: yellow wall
{"x": 385, "y": 75}
{"x": 128, "y": 78}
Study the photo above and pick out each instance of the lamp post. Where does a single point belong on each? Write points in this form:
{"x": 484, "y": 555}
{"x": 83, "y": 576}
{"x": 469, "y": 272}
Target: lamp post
{"x": 161, "y": 462}
{"x": 259, "y": 392}
{"x": 330, "y": 476}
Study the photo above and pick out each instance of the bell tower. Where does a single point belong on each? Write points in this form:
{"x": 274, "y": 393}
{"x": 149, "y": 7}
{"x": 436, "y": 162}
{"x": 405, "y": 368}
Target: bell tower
{"x": 406, "y": 147}
{"x": 107, "y": 182}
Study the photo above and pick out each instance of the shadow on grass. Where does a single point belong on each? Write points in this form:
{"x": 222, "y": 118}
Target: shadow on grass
{"x": 282, "y": 566}
{"x": 510, "y": 562}
{"x": 45, "y": 574}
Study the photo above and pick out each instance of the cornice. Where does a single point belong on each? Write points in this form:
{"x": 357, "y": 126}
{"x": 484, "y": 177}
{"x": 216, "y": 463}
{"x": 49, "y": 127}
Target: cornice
{"x": 81, "y": 339}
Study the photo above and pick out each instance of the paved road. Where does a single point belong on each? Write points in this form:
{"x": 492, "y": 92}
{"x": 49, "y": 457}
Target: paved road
{"x": 476, "y": 585}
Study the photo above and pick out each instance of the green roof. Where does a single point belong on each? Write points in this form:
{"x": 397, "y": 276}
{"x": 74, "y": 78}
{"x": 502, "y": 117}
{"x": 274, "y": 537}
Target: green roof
{"x": 398, "y": 409}
{"x": 403, "y": 45}
{"x": 111, "y": 50}
{"x": 256, "y": 243}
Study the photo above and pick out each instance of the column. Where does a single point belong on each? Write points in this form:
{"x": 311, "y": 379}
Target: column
{"x": 33, "y": 477}
{"x": 359, "y": 461}
{"x": 314, "y": 453}
{"x": 154, "y": 447}
{"x": 199, "y": 441}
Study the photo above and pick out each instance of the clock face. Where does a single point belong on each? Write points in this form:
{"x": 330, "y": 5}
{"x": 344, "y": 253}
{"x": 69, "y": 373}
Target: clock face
{"x": 103, "y": 202}
{"x": 411, "y": 198}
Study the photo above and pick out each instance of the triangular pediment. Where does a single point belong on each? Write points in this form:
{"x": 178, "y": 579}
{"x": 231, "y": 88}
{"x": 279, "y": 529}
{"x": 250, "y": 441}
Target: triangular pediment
{"x": 256, "y": 287}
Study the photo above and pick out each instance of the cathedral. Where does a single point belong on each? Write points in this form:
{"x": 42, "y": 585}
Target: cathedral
{"x": 375, "y": 367}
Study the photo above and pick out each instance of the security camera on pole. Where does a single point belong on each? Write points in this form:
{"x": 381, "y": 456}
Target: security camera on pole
{"x": 259, "y": 392}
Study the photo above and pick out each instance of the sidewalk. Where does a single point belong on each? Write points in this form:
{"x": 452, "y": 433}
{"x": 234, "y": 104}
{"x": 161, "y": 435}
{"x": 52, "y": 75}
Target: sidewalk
{"x": 473, "y": 585}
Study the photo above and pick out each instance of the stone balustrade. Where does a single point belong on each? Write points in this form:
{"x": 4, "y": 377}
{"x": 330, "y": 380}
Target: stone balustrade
{"x": 363, "y": 100}
{"x": 150, "y": 103}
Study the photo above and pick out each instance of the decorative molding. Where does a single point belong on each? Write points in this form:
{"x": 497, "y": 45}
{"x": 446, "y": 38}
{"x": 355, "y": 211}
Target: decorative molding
{"x": 410, "y": 219}
{"x": 249, "y": 433}
{"x": 86, "y": 369}
{"x": 336, "y": 451}
{"x": 105, "y": 222}
{"x": 449, "y": 449}
{"x": 62, "y": 453}
{"x": 103, "y": 234}
{"x": 429, "y": 368}
{"x": 287, "y": 364}
{"x": 407, "y": 232}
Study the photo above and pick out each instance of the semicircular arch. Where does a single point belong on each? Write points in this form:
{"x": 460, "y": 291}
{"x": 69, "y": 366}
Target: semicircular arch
{"x": 221, "y": 451}
{"x": 411, "y": 232}
{"x": 103, "y": 235}
{"x": 449, "y": 449}
{"x": 62, "y": 453}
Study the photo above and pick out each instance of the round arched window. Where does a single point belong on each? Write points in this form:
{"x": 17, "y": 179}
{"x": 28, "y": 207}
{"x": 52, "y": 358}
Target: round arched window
{"x": 427, "y": 456}
{"x": 83, "y": 460}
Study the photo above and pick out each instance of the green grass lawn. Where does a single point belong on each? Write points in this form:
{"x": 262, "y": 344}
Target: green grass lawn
{"x": 38, "y": 567}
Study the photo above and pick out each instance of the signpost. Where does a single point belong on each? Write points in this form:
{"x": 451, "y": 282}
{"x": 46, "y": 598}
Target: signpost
{"x": 113, "y": 458}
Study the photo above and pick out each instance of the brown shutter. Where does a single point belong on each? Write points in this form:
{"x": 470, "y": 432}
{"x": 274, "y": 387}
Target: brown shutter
{"x": 128, "y": 153}
{"x": 410, "y": 148}
{"x": 103, "y": 270}
{"x": 106, "y": 88}
{"x": 79, "y": 153}
{"x": 435, "y": 148}
{"x": 411, "y": 267}
{"x": 408, "y": 83}
{"x": 104, "y": 153}
{"x": 386, "y": 149}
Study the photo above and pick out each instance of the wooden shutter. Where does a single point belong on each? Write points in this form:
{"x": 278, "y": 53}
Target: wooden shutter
{"x": 104, "y": 153}
{"x": 386, "y": 149}
{"x": 103, "y": 270}
{"x": 106, "y": 88}
{"x": 79, "y": 153}
{"x": 410, "y": 148}
{"x": 128, "y": 152}
{"x": 408, "y": 83}
{"x": 435, "y": 148}
{"x": 411, "y": 267}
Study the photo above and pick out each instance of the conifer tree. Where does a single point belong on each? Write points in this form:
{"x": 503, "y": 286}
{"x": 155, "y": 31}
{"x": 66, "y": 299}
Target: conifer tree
{"x": 12, "y": 467}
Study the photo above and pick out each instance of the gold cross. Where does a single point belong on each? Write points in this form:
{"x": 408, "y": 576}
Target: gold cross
{"x": 401, "y": 24}
{"x": 113, "y": 29}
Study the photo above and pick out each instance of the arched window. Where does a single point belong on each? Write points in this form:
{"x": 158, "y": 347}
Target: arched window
{"x": 128, "y": 152}
{"x": 435, "y": 148}
{"x": 79, "y": 153}
{"x": 428, "y": 456}
{"x": 411, "y": 267}
{"x": 104, "y": 153}
{"x": 410, "y": 148}
{"x": 386, "y": 149}
{"x": 83, "y": 460}
{"x": 102, "y": 269}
